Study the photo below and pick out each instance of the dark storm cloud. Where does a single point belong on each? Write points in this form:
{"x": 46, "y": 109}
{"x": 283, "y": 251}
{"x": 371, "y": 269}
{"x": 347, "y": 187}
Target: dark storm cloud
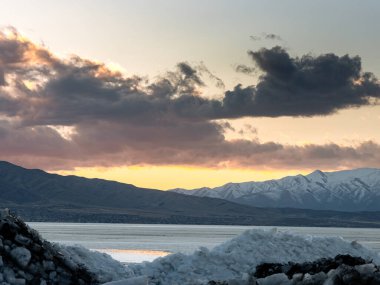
{"x": 119, "y": 120}
{"x": 302, "y": 86}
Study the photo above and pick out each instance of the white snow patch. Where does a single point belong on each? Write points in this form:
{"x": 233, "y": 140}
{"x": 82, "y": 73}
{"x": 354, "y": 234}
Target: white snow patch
{"x": 228, "y": 261}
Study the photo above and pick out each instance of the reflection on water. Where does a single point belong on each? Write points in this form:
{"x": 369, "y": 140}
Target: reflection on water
{"x": 132, "y": 256}
{"x": 139, "y": 242}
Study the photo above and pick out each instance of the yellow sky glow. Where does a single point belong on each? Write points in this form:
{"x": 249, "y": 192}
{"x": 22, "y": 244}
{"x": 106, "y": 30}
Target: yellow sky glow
{"x": 168, "y": 177}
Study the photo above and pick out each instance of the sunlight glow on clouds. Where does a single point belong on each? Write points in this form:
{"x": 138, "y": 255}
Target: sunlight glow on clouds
{"x": 76, "y": 113}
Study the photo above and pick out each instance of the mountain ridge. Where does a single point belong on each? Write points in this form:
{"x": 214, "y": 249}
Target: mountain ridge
{"x": 346, "y": 190}
{"x": 39, "y": 196}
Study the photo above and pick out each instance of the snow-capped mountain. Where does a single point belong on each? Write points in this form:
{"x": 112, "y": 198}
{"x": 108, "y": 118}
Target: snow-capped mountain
{"x": 348, "y": 190}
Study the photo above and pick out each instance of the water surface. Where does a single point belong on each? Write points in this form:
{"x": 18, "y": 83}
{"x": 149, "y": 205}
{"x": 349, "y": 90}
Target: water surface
{"x": 145, "y": 242}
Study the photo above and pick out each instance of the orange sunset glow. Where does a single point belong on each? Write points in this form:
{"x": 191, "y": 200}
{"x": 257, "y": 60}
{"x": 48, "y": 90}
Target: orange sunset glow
{"x": 158, "y": 102}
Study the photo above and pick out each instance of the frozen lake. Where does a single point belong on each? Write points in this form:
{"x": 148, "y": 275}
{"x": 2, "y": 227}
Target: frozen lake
{"x": 140, "y": 242}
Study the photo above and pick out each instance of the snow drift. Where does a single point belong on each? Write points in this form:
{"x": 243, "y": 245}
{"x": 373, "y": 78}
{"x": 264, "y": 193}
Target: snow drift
{"x": 232, "y": 260}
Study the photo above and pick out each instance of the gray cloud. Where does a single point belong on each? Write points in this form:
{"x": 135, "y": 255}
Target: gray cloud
{"x": 120, "y": 120}
{"x": 272, "y": 37}
{"x": 242, "y": 68}
{"x": 255, "y": 38}
{"x": 266, "y": 36}
{"x": 302, "y": 86}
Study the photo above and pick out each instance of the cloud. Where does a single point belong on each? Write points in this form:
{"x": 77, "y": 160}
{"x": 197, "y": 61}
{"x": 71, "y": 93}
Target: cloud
{"x": 119, "y": 120}
{"x": 272, "y": 37}
{"x": 242, "y": 68}
{"x": 302, "y": 86}
{"x": 255, "y": 38}
{"x": 266, "y": 36}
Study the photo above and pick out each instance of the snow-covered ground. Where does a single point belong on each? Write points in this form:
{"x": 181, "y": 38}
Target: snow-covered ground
{"x": 233, "y": 259}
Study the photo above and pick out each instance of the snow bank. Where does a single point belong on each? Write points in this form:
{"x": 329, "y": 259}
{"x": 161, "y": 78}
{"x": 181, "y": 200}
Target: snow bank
{"x": 234, "y": 259}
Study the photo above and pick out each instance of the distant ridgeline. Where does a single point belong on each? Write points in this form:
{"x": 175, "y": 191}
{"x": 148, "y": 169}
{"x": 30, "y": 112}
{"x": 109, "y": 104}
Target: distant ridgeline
{"x": 39, "y": 196}
{"x": 349, "y": 190}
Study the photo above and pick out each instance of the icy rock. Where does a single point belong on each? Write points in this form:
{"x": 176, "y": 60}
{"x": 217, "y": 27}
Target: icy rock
{"x": 9, "y": 275}
{"x": 28, "y": 276}
{"x": 36, "y": 248}
{"x": 32, "y": 268}
{"x": 329, "y": 281}
{"x": 279, "y": 278}
{"x": 297, "y": 277}
{"x": 331, "y": 273}
{"x": 52, "y": 275}
{"x": 21, "y": 273}
{"x": 64, "y": 280}
{"x": 48, "y": 255}
{"x": 366, "y": 269}
{"x": 21, "y": 256}
{"x": 318, "y": 278}
{"x": 48, "y": 265}
{"x": 22, "y": 240}
{"x": 376, "y": 279}
{"x": 350, "y": 276}
{"x": 266, "y": 269}
{"x": 19, "y": 281}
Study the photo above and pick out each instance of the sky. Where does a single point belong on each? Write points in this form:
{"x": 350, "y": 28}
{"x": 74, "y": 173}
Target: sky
{"x": 166, "y": 94}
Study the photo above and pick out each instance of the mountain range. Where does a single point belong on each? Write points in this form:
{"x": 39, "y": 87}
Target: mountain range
{"x": 36, "y": 195}
{"x": 348, "y": 190}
